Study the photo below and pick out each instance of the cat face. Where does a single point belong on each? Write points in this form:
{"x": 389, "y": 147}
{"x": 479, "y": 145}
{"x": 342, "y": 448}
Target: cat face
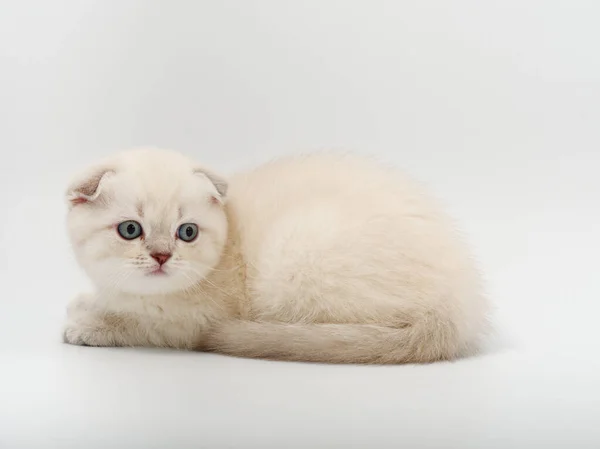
{"x": 147, "y": 222}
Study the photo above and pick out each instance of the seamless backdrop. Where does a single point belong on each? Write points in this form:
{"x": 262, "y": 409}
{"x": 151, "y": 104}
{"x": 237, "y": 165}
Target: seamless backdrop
{"x": 494, "y": 105}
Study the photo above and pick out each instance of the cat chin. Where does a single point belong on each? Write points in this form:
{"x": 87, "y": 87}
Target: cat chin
{"x": 152, "y": 290}
{"x": 155, "y": 284}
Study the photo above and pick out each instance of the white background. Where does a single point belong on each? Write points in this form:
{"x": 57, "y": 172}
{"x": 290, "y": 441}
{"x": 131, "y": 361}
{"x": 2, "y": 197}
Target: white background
{"x": 494, "y": 105}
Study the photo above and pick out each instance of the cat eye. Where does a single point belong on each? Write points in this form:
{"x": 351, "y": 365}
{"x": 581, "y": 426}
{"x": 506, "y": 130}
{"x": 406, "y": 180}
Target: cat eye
{"x": 187, "y": 232}
{"x": 129, "y": 230}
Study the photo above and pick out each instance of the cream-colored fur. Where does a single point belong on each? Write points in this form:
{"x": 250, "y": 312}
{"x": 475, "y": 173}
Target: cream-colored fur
{"x": 324, "y": 258}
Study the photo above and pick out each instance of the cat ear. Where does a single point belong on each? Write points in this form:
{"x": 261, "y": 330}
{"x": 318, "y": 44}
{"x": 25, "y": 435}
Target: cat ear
{"x": 219, "y": 182}
{"x": 86, "y": 188}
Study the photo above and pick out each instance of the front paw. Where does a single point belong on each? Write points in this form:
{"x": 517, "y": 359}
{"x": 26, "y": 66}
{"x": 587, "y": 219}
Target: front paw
{"x": 87, "y": 334}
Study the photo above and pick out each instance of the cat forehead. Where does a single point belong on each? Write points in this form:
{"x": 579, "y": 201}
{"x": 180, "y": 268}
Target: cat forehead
{"x": 158, "y": 202}
{"x": 168, "y": 208}
{"x": 163, "y": 187}
{"x": 165, "y": 204}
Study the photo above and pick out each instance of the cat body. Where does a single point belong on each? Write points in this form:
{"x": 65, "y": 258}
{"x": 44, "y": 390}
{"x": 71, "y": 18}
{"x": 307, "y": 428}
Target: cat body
{"x": 324, "y": 258}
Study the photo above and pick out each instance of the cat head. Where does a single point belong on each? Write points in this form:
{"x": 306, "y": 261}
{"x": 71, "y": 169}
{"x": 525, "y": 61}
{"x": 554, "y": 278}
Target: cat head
{"x": 147, "y": 222}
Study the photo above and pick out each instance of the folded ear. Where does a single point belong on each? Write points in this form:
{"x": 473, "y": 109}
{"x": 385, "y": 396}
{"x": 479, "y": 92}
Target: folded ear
{"x": 219, "y": 182}
{"x": 87, "y": 187}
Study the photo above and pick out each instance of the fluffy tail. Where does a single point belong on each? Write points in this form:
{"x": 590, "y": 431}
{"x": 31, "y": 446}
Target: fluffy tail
{"x": 427, "y": 341}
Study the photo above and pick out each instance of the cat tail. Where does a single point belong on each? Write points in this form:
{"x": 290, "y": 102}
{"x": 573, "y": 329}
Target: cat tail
{"x": 428, "y": 341}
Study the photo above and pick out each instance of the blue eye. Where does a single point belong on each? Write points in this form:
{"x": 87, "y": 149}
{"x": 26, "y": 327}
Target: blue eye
{"x": 187, "y": 232}
{"x": 129, "y": 230}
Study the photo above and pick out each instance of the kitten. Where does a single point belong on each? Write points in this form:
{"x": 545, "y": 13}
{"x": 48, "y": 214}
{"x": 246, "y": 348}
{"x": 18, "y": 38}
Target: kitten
{"x": 321, "y": 258}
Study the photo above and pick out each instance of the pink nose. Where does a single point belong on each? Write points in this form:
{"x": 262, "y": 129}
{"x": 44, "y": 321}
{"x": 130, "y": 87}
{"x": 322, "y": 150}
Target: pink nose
{"x": 161, "y": 258}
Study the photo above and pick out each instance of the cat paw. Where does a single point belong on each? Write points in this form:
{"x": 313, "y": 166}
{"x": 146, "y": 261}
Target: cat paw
{"x": 86, "y": 335}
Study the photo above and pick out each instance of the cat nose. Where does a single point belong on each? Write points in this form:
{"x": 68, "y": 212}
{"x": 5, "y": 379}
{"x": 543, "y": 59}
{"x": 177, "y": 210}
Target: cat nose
{"x": 161, "y": 258}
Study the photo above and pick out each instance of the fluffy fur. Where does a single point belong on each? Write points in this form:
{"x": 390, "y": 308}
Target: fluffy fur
{"x": 322, "y": 258}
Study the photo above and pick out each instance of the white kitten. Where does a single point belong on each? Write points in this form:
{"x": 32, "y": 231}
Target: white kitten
{"x": 321, "y": 258}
